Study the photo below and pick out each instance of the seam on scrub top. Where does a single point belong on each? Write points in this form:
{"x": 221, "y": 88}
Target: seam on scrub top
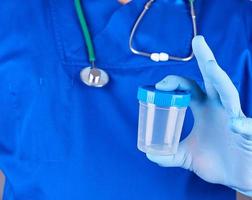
{"x": 56, "y": 31}
{"x": 124, "y": 65}
{"x": 236, "y": 82}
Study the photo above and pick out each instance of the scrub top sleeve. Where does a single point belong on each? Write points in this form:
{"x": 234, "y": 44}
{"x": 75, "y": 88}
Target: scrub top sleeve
{"x": 12, "y": 48}
{"x": 8, "y": 118}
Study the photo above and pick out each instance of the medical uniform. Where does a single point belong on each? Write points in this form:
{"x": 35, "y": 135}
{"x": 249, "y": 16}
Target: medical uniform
{"x": 61, "y": 139}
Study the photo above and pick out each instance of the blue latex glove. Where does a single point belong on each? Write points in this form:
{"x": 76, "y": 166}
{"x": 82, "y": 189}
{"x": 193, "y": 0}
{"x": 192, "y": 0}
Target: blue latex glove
{"x": 219, "y": 148}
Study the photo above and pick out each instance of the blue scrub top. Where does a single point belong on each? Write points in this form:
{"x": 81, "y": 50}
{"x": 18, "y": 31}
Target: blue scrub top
{"x": 63, "y": 140}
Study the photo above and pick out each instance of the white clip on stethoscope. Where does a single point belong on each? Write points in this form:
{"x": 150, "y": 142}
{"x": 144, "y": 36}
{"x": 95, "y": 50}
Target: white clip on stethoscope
{"x": 96, "y": 77}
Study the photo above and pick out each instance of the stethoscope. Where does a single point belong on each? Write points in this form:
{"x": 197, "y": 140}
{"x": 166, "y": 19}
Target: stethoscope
{"x": 97, "y": 77}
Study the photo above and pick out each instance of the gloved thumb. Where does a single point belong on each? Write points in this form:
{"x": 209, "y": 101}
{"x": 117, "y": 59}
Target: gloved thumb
{"x": 180, "y": 159}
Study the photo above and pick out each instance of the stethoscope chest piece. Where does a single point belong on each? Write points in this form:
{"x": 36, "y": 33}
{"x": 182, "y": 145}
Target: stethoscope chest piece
{"x": 94, "y": 77}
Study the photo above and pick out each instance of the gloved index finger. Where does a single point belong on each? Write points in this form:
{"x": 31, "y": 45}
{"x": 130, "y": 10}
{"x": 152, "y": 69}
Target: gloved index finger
{"x": 217, "y": 82}
{"x": 224, "y": 86}
{"x": 204, "y": 54}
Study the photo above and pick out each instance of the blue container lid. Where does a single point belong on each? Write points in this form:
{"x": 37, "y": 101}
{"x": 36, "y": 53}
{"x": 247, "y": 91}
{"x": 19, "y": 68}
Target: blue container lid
{"x": 149, "y": 94}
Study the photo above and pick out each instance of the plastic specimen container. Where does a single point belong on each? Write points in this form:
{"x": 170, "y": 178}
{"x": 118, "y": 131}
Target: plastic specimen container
{"x": 161, "y": 118}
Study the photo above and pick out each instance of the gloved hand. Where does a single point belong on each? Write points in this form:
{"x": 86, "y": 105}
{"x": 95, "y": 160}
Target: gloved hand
{"x": 219, "y": 148}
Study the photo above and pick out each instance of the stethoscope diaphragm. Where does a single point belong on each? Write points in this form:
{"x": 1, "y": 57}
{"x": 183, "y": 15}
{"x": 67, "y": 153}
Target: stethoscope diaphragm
{"x": 93, "y": 76}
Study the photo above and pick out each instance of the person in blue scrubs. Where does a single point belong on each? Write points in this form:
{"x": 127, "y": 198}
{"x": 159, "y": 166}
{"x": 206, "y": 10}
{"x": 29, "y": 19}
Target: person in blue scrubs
{"x": 63, "y": 140}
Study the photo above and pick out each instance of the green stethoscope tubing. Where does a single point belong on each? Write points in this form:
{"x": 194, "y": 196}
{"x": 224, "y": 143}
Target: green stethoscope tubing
{"x": 91, "y": 75}
{"x": 85, "y": 31}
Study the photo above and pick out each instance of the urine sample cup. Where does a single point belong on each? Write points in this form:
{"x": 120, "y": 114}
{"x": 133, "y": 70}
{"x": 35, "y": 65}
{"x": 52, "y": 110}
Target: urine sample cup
{"x": 161, "y": 118}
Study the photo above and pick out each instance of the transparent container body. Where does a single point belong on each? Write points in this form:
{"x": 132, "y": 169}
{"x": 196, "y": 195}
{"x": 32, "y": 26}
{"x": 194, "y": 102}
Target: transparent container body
{"x": 159, "y": 128}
